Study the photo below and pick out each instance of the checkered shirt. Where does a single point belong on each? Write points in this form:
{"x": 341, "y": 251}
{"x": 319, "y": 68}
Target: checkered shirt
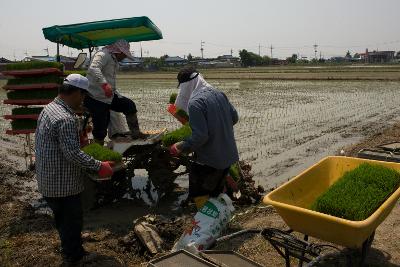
{"x": 59, "y": 159}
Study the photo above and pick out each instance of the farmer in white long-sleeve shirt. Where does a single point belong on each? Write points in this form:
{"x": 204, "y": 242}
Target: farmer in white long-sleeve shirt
{"x": 103, "y": 96}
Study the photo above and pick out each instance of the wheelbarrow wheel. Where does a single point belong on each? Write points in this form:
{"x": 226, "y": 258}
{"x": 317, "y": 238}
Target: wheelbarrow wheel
{"x": 345, "y": 257}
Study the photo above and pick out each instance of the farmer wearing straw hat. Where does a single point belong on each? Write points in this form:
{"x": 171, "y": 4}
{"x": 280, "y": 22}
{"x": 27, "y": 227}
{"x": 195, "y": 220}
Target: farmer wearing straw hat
{"x": 103, "y": 95}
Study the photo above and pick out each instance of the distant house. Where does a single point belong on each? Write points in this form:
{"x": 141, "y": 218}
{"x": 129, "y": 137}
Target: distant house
{"x": 377, "y": 56}
{"x": 129, "y": 64}
{"x": 228, "y": 60}
{"x": 175, "y": 61}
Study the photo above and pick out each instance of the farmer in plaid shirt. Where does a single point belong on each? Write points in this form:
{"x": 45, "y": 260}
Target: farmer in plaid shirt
{"x": 60, "y": 162}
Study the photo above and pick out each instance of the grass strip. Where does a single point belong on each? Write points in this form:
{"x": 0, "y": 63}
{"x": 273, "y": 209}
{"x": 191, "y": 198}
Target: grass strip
{"x": 177, "y": 136}
{"x": 102, "y": 153}
{"x": 35, "y": 80}
{"x": 26, "y": 111}
{"x": 34, "y": 65}
{"x": 358, "y": 193}
{"x": 32, "y": 94}
{"x": 23, "y": 124}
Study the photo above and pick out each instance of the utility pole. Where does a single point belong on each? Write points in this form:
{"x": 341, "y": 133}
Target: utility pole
{"x": 315, "y": 50}
{"x": 259, "y": 49}
{"x": 202, "y": 49}
{"x": 231, "y": 52}
{"x": 271, "y": 47}
{"x": 141, "y": 51}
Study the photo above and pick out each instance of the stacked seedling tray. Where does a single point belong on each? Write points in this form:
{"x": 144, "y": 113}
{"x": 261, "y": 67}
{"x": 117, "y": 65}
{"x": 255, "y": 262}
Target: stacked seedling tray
{"x": 30, "y": 84}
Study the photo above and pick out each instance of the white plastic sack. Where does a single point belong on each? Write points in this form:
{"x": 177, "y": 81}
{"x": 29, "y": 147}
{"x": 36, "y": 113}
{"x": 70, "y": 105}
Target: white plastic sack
{"x": 207, "y": 225}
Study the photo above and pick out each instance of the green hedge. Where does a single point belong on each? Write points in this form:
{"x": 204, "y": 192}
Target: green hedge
{"x": 102, "y": 153}
{"x": 32, "y": 94}
{"x": 177, "y": 136}
{"x": 358, "y": 193}
{"x": 26, "y": 111}
{"x": 23, "y": 124}
{"x": 34, "y": 65}
{"x": 35, "y": 80}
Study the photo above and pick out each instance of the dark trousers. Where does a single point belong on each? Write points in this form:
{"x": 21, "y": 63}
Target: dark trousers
{"x": 68, "y": 217}
{"x": 206, "y": 180}
{"x": 100, "y": 112}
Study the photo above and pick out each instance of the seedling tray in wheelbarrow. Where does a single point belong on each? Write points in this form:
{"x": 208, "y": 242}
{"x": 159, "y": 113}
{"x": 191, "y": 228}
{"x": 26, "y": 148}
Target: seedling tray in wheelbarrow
{"x": 294, "y": 199}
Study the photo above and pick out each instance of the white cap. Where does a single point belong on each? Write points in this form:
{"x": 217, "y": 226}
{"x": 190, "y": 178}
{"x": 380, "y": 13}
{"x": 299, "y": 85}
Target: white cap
{"x": 77, "y": 80}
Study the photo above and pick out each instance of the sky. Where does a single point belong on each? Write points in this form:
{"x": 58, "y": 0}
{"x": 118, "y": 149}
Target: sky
{"x": 290, "y": 26}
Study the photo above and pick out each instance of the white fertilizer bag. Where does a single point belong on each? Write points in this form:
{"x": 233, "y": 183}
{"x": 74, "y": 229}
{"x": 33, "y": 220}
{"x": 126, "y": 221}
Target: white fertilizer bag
{"x": 207, "y": 225}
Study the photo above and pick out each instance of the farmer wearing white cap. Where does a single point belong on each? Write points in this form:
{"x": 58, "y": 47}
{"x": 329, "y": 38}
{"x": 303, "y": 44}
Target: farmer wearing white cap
{"x": 60, "y": 162}
{"x": 103, "y": 96}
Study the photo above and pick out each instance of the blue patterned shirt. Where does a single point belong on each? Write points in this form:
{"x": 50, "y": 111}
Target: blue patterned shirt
{"x": 59, "y": 159}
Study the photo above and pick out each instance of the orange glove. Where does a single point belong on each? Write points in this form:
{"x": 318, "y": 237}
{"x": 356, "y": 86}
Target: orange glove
{"x": 106, "y": 169}
{"x": 107, "y": 89}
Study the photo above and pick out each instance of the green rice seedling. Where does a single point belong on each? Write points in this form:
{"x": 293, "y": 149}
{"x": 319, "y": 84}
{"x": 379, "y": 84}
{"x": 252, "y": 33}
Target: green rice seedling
{"x": 81, "y": 72}
{"x": 35, "y": 80}
{"x": 26, "y": 111}
{"x": 177, "y": 136}
{"x": 181, "y": 113}
{"x": 34, "y": 65}
{"x": 24, "y": 124}
{"x": 234, "y": 171}
{"x": 172, "y": 98}
{"x": 358, "y": 193}
{"x": 102, "y": 153}
{"x": 32, "y": 94}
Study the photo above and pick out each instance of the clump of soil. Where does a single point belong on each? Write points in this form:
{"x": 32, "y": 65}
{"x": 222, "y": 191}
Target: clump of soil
{"x": 169, "y": 229}
{"x": 250, "y": 193}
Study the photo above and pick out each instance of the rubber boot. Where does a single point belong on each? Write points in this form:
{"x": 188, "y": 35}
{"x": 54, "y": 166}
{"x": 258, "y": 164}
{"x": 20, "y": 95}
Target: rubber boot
{"x": 133, "y": 125}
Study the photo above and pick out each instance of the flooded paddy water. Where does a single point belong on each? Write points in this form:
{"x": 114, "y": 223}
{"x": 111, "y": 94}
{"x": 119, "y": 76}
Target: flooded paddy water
{"x": 284, "y": 126}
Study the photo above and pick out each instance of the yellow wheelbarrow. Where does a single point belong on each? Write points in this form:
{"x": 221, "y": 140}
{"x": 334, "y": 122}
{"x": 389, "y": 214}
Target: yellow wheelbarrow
{"x": 293, "y": 199}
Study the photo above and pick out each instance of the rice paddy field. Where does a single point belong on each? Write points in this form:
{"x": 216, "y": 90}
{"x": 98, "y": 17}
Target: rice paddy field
{"x": 285, "y": 125}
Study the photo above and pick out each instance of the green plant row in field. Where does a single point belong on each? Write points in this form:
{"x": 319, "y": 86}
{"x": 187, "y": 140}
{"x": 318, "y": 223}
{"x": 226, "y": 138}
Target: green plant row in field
{"x": 34, "y": 65}
{"x": 177, "y": 136}
{"x": 26, "y": 111}
{"x": 102, "y": 153}
{"x": 358, "y": 193}
{"x": 32, "y": 94}
{"x": 24, "y": 124}
{"x": 35, "y": 80}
